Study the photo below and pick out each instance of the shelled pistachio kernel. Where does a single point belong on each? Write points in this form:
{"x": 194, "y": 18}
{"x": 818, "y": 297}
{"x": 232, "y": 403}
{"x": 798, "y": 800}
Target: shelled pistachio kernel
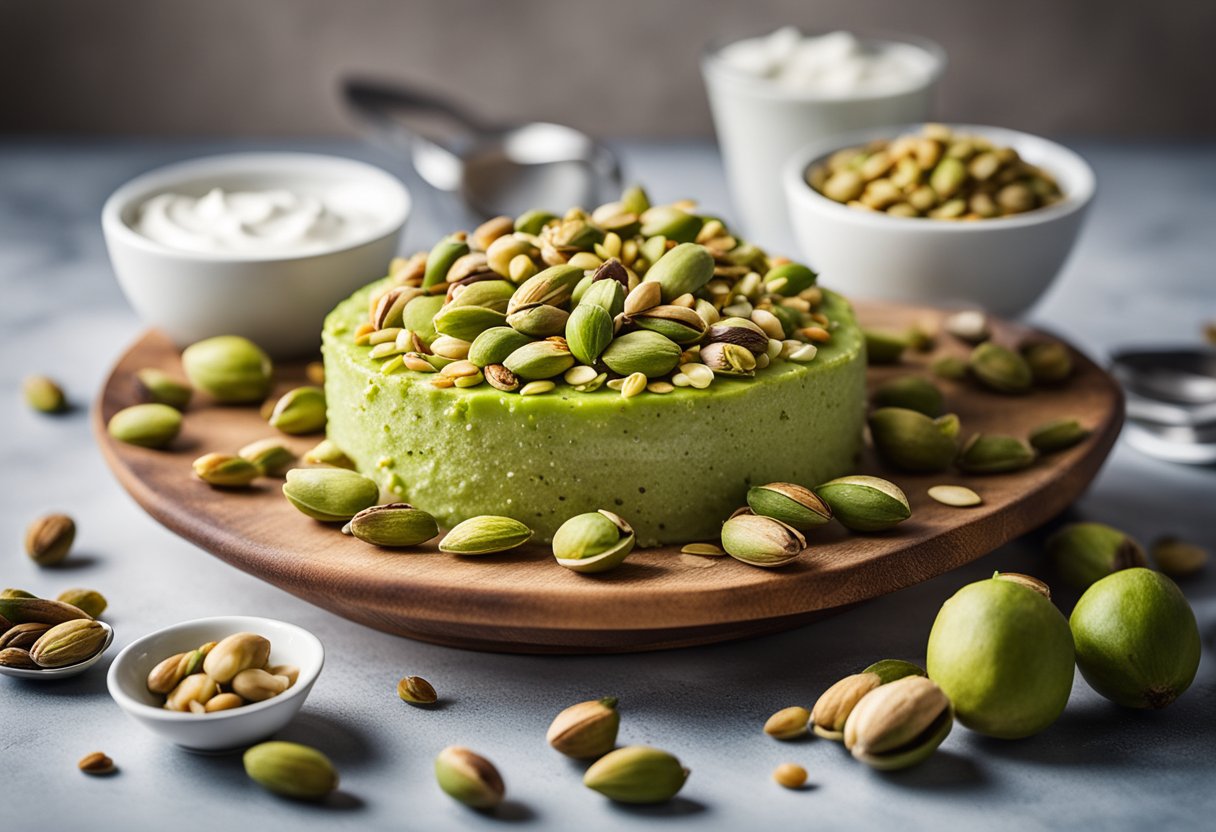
{"x": 157, "y": 386}
{"x": 237, "y": 652}
{"x": 48, "y": 540}
{"x": 790, "y": 503}
{"x": 392, "y": 525}
{"x": 44, "y": 395}
{"x": 270, "y": 456}
{"x": 593, "y": 542}
{"x": 299, "y": 411}
{"x": 1057, "y": 435}
{"x": 865, "y": 504}
{"x": 225, "y": 470}
{"x": 761, "y": 541}
{"x": 416, "y": 691}
{"x": 230, "y": 368}
{"x": 485, "y": 534}
{"x": 96, "y": 764}
{"x": 585, "y": 730}
{"x": 330, "y": 495}
{"x": 788, "y": 723}
{"x": 291, "y": 770}
{"x": 637, "y": 774}
{"x": 1178, "y": 558}
{"x": 790, "y": 775}
{"x": 469, "y": 778}
{"x": 958, "y": 496}
{"x": 146, "y": 425}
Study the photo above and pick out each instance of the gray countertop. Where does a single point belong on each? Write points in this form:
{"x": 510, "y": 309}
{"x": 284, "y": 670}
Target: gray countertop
{"x": 1142, "y": 273}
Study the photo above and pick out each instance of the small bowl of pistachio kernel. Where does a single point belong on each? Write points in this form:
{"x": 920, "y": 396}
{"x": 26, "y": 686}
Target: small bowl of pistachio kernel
{"x": 939, "y": 213}
{"x": 215, "y": 684}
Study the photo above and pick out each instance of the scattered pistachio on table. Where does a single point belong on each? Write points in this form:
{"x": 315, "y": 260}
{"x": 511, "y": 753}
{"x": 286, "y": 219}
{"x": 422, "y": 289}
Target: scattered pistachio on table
{"x": 790, "y": 775}
{"x": 158, "y": 387}
{"x": 146, "y": 425}
{"x": 469, "y": 778}
{"x": 416, "y": 691}
{"x": 1178, "y": 558}
{"x": 231, "y": 369}
{"x": 291, "y": 770}
{"x": 586, "y": 730}
{"x": 44, "y": 394}
{"x": 636, "y": 774}
{"x": 48, "y": 540}
{"x": 96, "y": 764}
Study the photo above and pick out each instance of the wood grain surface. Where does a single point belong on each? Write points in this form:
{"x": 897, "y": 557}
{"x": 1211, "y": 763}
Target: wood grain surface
{"x": 524, "y": 602}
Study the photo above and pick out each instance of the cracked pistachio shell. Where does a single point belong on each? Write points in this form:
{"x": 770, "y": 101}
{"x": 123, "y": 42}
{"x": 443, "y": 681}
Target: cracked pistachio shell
{"x": 146, "y": 425}
{"x": 49, "y": 539}
{"x": 225, "y": 470}
{"x": 637, "y": 774}
{"x": 593, "y": 542}
{"x": 539, "y": 320}
{"x": 738, "y": 331}
{"x": 159, "y": 387}
{"x": 299, "y": 411}
{"x": 990, "y": 454}
{"x": 485, "y": 535}
{"x": 419, "y": 316}
{"x": 670, "y": 222}
{"x": 69, "y": 643}
{"x": 899, "y": 724}
{"x": 493, "y": 345}
{"x": 788, "y": 723}
{"x": 585, "y": 730}
{"x": 608, "y": 294}
{"x": 645, "y": 352}
{"x": 835, "y": 704}
{"x": 912, "y": 441}
{"x": 683, "y": 270}
{"x": 237, "y": 652}
{"x": 466, "y": 322}
{"x": 291, "y": 770}
{"x": 1087, "y": 552}
{"x": 677, "y": 323}
{"x": 589, "y": 329}
{"x": 539, "y": 360}
{"x": 789, "y": 279}
{"x": 865, "y": 504}
{"x": 232, "y": 369}
{"x": 792, "y": 504}
{"x": 553, "y": 286}
{"x": 469, "y": 778}
{"x": 1057, "y": 435}
{"x": 531, "y": 222}
{"x": 271, "y": 457}
{"x": 761, "y": 541}
{"x": 330, "y": 495}
{"x": 440, "y": 259}
{"x": 1000, "y": 369}
{"x": 392, "y": 525}
{"x": 911, "y": 393}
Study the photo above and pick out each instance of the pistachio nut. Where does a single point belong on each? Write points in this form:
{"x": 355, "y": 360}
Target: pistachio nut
{"x": 270, "y": 456}
{"x": 788, "y": 723}
{"x": 833, "y": 707}
{"x": 485, "y": 535}
{"x": 489, "y": 294}
{"x": 677, "y": 323}
{"x": 958, "y": 496}
{"x": 531, "y": 222}
{"x": 605, "y": 290}
{"x": 1178, "y": 558}
{"x": 392, "y": 525}
{"x": 49, "y": 539}
{"x": 589, "y": 329}
{"x": 585, "y": 730}
{"x": 326, "y": 452}
{"x": 388, "y": 308}
{"x": 683, "y": 270}
{"x": 540, "y": 360}
{"x": 671, "y": 222}
{"x": 1057, "y": 435}
{"x": 790, "y": 775}
{"x": 225, "y": 470}
{"x": 1028, "y": 581}
{"x": 865, "y": 504}
{"x": 1084, "y": 553}
{"x": 417, "y": 691}
{"x": 643, "y": 351}
{"x": 419, "y": 317}
{"x": 25, "y": 609}
{"x": 158, "y": 387}
{"x": 912, "y": 441}
{"x": 469, "y": 778}
{"x": 299, "y": 411}
{"x": 538, "y": 320}
{"x": 168, "y": 673}
{"x": 441, "y": 258}
{"x": 223, "y": 702}
{"x": 89, "y": 601}
{"x": 69, "y": 643}
{"x": 237, "y": 652}
{"x": 636, "y": 774}
{"x": 949, "y": 366}
{"x": 232, "y": 369}
{"x": 553, "y": 286}
{"x": 1000, "y": 369}
{"x": 761, "y": 541}
{"x": 16, "y": 593}
{"x": 255, "y": 684}
{"x": 789, "y": 279}
{"x": 44, "y": 395}
{"x": 330, "y": 495}
{"x": 193, "y": 661}
{"x": 467, "y": 322}
{"x": 493, "y": 345}
{"x": 146, "y": 425}
{"x": 594, "y": 542}
{"x": 1050, "y": 362}
{"x": 899, "y": 724}
{"x": 888, "y": 670}
{"x": 511, "y": 248}
{"x": 291, "y": 770}
{"x": 491, "y": 230}
{"x": 635, "y": 200}
{"x": 740, "y": 331}
{"x": 643, "y": 297}
{"x": 883, "y": 347}
{"x": 792, "y": 504}
{"x": 500, "y": 378}
{"x": 992, "y": 454}
{"x": 22, "y": 636}
{"x": 910, "y": 393}
{"x": 728, "y": 359}
{"x": 18, "y": 658}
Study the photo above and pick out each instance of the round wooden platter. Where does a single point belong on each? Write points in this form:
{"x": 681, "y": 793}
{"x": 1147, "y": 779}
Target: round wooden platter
{"x": 524, "y": 602}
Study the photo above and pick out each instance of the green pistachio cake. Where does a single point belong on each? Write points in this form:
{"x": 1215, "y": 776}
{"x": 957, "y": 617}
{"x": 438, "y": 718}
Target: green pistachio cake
{"x": 477, "y": 379}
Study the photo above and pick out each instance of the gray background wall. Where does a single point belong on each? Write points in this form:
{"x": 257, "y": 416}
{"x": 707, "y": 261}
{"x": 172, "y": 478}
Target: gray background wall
{"x": 1123, "y": 68}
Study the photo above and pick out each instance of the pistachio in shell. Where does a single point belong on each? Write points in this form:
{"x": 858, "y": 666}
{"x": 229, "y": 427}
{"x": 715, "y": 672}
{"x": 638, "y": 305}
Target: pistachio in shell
{"x": 1057, "y": 435}
{"x": 790, "y": 503}
{"x": 911, "y": 441}
{"x": 637, "y": 774}
{"x": 330, "y": 495}
{"x": 761, "y": 541}
{"x": 883, "y": 347}
{"x": 1000, "y": 369}
{"x": 469, "y": 778}
{"x": 493, "y": 345}
{"x": 992, "y": 454}
{"x": 146, "y": 425}
{"x": 1050, "y": 362}
{"x": 484, "y": 535}
{"x": 642, "y": 351}
{"x": 586, "y": 730}
{"x": 299, "y": 411}
{"x": 291, "y": 770}
{"x": 899, "y": 724}
{"x": 392, "y": 525}
{"x": 232, "y": 369}
{"x": 593, "y": 542}
{"x": 1083, "y": 553}
{"x": 910, "y": 392}
{"x": 682, "y": 270}
{"x": 153, "y": 385}
{"x": 865, "y": 504}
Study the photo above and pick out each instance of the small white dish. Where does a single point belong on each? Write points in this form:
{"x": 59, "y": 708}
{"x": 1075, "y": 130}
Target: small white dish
{"x": 1004, "y": 265}
{"x": 47, "y": 673}
{"x": 222, "y": 730}
{"x": 278, "y": 301}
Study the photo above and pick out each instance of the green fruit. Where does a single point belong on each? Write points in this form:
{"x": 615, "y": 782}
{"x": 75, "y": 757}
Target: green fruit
{"x": 1137, "y": 640}
{"x": 1004, "y": 655}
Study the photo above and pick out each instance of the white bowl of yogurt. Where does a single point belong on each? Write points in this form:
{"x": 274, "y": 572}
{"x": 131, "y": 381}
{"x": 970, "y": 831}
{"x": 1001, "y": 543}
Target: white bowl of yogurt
{"x": 772, "y": 95}
{"x": 255, "y": 244}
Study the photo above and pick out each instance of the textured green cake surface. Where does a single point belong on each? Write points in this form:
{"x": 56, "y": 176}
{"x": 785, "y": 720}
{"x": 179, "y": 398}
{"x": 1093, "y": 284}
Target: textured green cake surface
{"x": 675, "y": 466}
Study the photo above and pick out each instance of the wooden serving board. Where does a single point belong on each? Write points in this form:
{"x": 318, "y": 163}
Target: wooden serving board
{"x": 524, "y": 602}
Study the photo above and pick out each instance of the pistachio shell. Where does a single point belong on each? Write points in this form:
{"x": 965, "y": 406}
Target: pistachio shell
{"x": 585, "y": 730}
{"x": 230, "y": 368}
{"x": 44, "y": 395}
{"x": 416, "y": 691}
{"x": 539, "y": 320}
{"x": 792, "y": 504}
{"x": 683, "y": 270}
{"x": 834, "y": 705}
{"x": 884, "y": 347}
{"x": 1057, "y": 435}
{"x": 645, "y": 352}
{"x": 789, "y": 279}
{"x": 540, "y": 360}
{"x": 911, "y": 393}
{"x": 271, "y": 457}
{"x": 330, "y": 495}
{"x": 739, "y": 331}
{"x": 865, "y": 504}
{"x": 484, "y": 535}
{"x": 89, "y": 601}
{"x": 493, "y": 345}
{"x": 489, "y": 294}
{"x": 69, "y": 643}
{"x": 637, "y": 774}
{"x": 469, "y": 778}
{"x": 531, "y": 222}
{"x": 608, "y": 294}
{"x": 392, "y": 525}
{"x": 677, "y": 323}
{"x": 291, "y": 770}
{"x": 898, "y": 724}
{"x": 419, "y": 316}
{"x": 225, "y": 470}
{"x": 1000, "y": 369}
{"x": 989, "y": 454}
{"x": 761, "y": 541}
{"x": 670, "y": 222}
{"x": 146, "y": 425}
{"x": 1050, "y": 362}
{"x": 589, "y": 329}
{"x": 48, "y": 540}
{"x": 553, "y": 286}
{"x": 445, "y": 253}
{"x": 466, "y": 322}
{"x": 594, "y": 542}
{"x": 159, "y": 387}
{"x": 26, "y": 609}
{"x": 912, "y": 441}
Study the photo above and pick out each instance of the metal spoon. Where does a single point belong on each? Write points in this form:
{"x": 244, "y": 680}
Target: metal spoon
{"x": 1171, "y": 402}
{"x": 495, "y": 169}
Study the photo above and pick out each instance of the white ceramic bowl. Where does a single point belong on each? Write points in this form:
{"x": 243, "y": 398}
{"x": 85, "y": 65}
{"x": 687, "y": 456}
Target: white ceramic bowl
{"x": 278, "y": 302}
{"x": 760, "y": 124}
{"x": 47, "y": 673}
{"x": 222, "y": 730}
{"x": 1003, "y": 265}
